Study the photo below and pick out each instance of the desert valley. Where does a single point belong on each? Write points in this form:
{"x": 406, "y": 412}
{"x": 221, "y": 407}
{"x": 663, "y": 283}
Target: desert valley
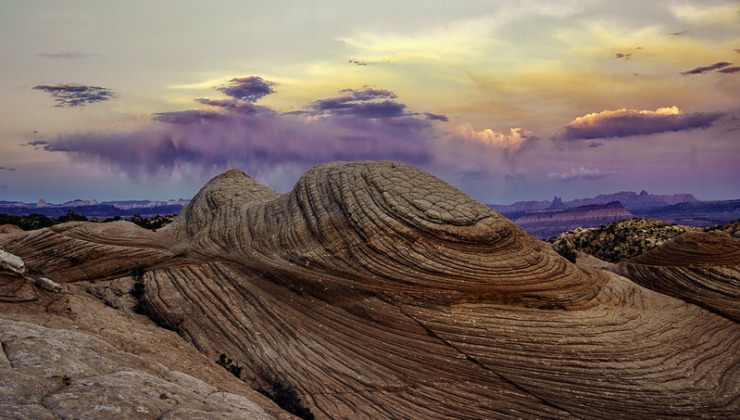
{"x": 371, "y": 290}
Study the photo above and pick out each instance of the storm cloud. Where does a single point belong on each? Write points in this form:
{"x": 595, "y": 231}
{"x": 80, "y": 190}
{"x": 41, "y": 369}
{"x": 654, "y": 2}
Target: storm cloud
{"x": 728, "y": 70}
{"x": 73, "y": 95}
{"x": 630, "y": 122}
{"x": 234, "y": 132}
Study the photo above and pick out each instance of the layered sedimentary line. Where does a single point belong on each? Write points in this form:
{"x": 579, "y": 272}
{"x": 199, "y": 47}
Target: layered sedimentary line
{"x": 389, "y": 227}
{"x": 699, "y": 267}
{"x": 651, "y": 357}
{"x": 343, "y": 361}
{"x": 87, "y": 251}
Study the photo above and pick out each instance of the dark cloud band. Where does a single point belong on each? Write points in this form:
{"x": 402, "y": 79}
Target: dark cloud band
{"x": 705, "y": 69}
{"x": 73, "y": 95}
{"x": 624, "y": 122}
{"x": 249, "y": 89}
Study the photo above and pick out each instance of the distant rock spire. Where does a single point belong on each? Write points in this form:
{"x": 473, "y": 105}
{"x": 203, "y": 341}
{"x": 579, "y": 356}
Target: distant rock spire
{"x": 557, "y": 203}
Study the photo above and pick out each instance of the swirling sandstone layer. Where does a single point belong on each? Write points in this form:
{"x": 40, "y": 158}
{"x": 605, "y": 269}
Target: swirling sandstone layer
{"x": 379, "y": 291}
{"x": 699, "y": 267}
{"x": 384, "y": 228}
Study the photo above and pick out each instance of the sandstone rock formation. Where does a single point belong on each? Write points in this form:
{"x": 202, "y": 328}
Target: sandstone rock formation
{"x": 699, "y": 267}
{"x": 12, "y": 263}
{"x": 374, "y": 290}
{"x": 9, "y": 229}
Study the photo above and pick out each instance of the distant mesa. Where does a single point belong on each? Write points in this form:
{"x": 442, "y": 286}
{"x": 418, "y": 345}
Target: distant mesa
{"x": 371, "y": 290}
{"x": 561, "y": 216}
{"x": 555, "y": 220}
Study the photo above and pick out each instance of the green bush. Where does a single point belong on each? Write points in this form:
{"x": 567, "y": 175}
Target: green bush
{"x": 287, "y": 399}
{"x": 229, "y": 365}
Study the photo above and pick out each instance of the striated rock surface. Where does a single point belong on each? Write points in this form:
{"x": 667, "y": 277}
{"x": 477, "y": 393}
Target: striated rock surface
{"x": 375, "y": 291}
{"x": 548, "y": 223}
{"x": 699, "y": 267}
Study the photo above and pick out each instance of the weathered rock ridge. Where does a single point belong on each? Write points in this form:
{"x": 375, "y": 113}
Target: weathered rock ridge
{"x": 699, "y": 267}
{"x": 376, "y": 291}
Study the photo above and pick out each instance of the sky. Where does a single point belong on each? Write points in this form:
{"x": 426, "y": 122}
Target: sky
{"x": 505, "y": 100}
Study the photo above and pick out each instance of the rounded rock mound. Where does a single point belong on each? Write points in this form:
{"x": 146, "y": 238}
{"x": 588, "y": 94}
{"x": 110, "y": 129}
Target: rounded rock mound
{"x": 698, "y": 267}
{"x": 385, "y": 227}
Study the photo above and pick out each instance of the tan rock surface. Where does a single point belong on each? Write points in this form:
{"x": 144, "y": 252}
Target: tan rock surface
{"x": 9, "y": 229}
{"x": 373, "y": 289}
{"x": 699, "y": 267}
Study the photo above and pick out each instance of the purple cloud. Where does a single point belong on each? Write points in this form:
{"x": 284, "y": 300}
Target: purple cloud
{"x": 5, "y": 168}
{"x": 385, "y": 109}
{"x": 36, "y": 143}
{"x": 367, "y": 93}
{"x": 728, "y": 70}
{"x": 73, "y": 95}
{"x": 248, "y": 89}
{"x": 361, "y": 124}
{"x": 704, "y": 69}
{"x": 236, "y": 105}
{"x": 622, "y": 55}
{"x": 624, "y": 122}
{"x": 360, "y": 103}
{"x": 191, "y": 116}
{"x": 436, "y": 117}
{"x": 359, "y": 63}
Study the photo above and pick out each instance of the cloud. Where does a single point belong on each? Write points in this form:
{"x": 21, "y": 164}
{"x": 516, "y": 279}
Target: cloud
{"x": 5, "y": 168}
{"x": 361, "y": 103}
{"x": 436, "y": 117}
{"x": 66, "y": 55}
{"x": 73, "y": 95}
{"x": 248, "y": 89}
{"x": 36, "y": 143}
{"x": 704, "y": 69}
{"x": 679, "y": 33}
{"x": 514, "y": 140}
{"x": 728, "y": 70}
{"x": 360, "y": 124}
{"x": 580, "y": 173}
{"x": 623, "y": 55}
{"x": 707, "y": 14}
{"x": 630, "y": 122}
{"x": 359, "y": 63}
{"x": 191, "y": 116}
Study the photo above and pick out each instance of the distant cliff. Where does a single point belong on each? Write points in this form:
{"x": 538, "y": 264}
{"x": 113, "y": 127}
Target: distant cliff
{"x": 94, "y": 209}
{"x": 547, "y": 223}
{"x": 629, "y": 199}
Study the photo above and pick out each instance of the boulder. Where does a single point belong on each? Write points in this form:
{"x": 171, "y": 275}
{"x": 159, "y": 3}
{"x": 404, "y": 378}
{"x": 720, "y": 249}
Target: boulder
{"x": 12, "y": 263}
{"x": 48, "y": 285}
